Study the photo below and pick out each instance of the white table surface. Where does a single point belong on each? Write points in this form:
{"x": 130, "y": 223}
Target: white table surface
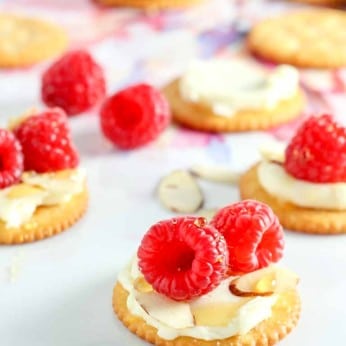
{"x": 62, "y": 292}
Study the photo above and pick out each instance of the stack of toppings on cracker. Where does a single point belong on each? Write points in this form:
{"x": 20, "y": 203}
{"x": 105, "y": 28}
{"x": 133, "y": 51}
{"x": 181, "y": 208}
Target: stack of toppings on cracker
{"x": 43, "y": 191}
{"x": 306, "y": 184}
{"x": 194, "y": 282}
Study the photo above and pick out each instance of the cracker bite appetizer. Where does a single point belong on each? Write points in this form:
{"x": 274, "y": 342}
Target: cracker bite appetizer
{"x": 216, "y": 283}
{"x": 235, "y": 95}
{"x": 305, "y": 184}
{"x": 26, "y": 41}
{"x": 303, "y": 38}
{"x": 43, "y": 190}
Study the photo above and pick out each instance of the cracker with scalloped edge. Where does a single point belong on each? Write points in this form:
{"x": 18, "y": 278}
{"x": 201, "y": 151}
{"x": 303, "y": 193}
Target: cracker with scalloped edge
{"x": 26, "y": 41}
{"x": 304, "y": 39}
{"x": 292, "y": 217}
{"x": 332, "y": 3}
{"x": 201, "y": 117}
{"x": 285, "y": 315}
{"x": 46, "y": 221}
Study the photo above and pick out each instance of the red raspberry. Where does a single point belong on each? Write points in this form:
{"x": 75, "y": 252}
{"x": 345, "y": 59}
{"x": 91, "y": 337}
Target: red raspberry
{"x": 253, "y": 235}
{"x": 134, "y": 116}
{"x": 75, "y": 83}
{"x": 317, "y": 152}
{"x": 46, "y": 142}
{"x": 11, "y": 158}
{"x": 183, "y": 257}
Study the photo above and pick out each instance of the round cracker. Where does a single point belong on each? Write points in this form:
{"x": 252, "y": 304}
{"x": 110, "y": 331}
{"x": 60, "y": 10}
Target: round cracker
{"x": 200, "y": 117}
{"x": 47, "y": 221}
{"x": 25, "y": 41}
{"x": 312, "y": 38}
{"x": 332, "y": 3}
{"x": 151, "y": 4}
{"x": 285, "y": 315}
{"x": 293, "y": 217}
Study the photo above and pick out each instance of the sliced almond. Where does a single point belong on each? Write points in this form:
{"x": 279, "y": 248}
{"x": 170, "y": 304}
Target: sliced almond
{"x": 264, "y": 282}
{"x": 217, "y": 315}
{"x": 23, "y": 190}
{"x": 65, "y": 174}
{"x": 169, "y": 312}
{"x": 141, "y": 285}
{"x": 273, "y": 151}
{"x": 215, "y": 174}
{"x": 180, "y": 192}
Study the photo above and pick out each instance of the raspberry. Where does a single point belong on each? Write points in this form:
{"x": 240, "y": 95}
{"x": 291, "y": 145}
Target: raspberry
{"x": 183, "y": 258}
{"x": 253, "y": 235}
{"x": 11, "y": 159}
{"x": 317, "y": 152}
{"x": 75, "y": 83}
{"x": 134, "y": 116}
{"x": 46, "y": 142}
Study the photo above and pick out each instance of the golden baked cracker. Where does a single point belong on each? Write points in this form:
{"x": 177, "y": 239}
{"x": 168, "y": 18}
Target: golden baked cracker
{"x": 312, "y": 38}
{"x": 201, "y": 117}
{"x": 292, "y": 217}
{"x": 332, "y": 3}
{"x": 47, "y": 221}
{"x": 25, "y": 41}
{"x": 284, "y": 318}
{"x": 150, "y": 4}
